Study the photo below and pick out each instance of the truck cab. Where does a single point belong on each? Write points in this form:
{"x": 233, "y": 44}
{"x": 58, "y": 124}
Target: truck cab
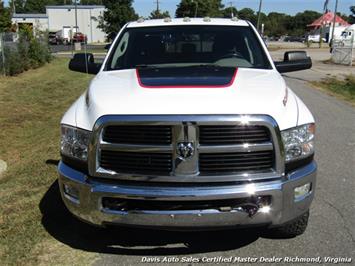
{"x": 188, "y": 124}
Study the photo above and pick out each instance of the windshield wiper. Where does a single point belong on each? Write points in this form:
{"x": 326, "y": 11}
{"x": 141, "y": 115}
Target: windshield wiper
{"x": 144, "y": 66}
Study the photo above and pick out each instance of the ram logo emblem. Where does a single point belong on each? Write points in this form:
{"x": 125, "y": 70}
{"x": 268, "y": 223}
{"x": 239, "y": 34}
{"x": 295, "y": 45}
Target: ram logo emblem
{"x": 185, "y": 150}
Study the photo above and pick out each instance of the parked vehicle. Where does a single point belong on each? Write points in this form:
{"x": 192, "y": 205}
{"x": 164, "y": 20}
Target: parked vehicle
{"x": 79, "y": 37}
{"x": 315, "y": 38}
{"x": 294, "y": 39}
{"x": 55, "y": 37}
{"x": 189, "y": 124}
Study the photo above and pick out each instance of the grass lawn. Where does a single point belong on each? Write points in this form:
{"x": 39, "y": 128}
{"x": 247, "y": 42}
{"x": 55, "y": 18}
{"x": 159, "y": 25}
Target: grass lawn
{"x": 344, "y": 89}
{"x": 32, "y": 105}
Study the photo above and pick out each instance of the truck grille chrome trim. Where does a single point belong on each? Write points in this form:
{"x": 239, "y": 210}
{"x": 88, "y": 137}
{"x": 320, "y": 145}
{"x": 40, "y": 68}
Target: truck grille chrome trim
{"x": 233, "y": 148}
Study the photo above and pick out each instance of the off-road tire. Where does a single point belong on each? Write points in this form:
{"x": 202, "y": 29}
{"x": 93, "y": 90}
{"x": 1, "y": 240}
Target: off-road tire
{"x": 294, "y": 228}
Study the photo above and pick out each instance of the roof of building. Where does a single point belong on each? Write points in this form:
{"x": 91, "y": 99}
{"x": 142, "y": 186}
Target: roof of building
{"x": 187, "y": 21}
{"x": 328, "y": 18}
{"x": 29, "y": 15}
{"x": 73, "y": 7}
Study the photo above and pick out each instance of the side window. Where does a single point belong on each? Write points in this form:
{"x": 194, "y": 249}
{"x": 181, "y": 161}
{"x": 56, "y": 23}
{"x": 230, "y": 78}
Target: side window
{"x": 120, "y": 51}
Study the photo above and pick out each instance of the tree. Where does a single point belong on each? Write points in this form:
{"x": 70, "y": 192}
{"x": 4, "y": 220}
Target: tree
{"x": 17, "y": 6}
{"x": 229, "y": 11}
{"x": 33, "y": 6}
{"x": 352, "y": 16}
{"x": 248, "y": 14}
{"x": 298, "y": 24}
{"x": 116, "y": 15}
{"x": 277, "y": 24}
{"x": 5, "y": 19}
{"x": 157, "y": 14}
{"x": 202, "y": 8}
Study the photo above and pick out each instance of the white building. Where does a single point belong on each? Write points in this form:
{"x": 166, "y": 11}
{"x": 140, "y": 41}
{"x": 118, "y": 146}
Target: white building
{"x": 63, "y": 18}
{"x": 38, "y": 21}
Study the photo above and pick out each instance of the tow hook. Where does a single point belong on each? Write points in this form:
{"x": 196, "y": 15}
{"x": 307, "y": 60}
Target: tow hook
{"x": 251, "y": 208}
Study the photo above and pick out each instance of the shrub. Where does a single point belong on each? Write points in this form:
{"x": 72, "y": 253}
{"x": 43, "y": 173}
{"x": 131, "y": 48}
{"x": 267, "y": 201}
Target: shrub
{"x": 30, "y": 52}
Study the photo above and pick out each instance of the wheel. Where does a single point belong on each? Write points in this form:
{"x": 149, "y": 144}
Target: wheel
{"x": 294, "y": 228}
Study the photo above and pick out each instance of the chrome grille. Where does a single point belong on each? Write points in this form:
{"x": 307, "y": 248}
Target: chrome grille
{"x": 136, "y": 162}
{"x": 226, "y": 148}
{"x": 218, "y": 135}
{"x": 137, "y": 134}
{"x": 236, "y": 162}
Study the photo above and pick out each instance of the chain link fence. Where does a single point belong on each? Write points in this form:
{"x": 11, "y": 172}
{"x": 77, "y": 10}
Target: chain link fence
{"x": 344, "y": 52}
{"x": 22, "y": 51}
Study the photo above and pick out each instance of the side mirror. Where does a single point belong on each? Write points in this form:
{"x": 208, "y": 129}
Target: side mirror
{"x": 84, "y": 63}
{"x": 294, "y": 61}
{"x": 108, "y": 46}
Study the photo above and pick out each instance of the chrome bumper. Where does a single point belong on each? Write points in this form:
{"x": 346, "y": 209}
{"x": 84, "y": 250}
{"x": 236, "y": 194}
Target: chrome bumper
{"x": 283, "y": 208}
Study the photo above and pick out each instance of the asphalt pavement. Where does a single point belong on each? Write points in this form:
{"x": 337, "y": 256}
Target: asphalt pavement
{"x": 330, "y": 233}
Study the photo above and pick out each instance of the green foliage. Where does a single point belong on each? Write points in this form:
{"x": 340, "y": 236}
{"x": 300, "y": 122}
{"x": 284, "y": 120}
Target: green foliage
{"x": 352, "y": 16}
{"x": 34, "y": 6}
{"x": 344, "y": 88}
{"x": 5, "y": 19}
{"x": 202, "y": 8}
{"x": 227, "y": 12}
{"x": 30, "y": 52}
{"x": 155, "y": 14}
{"x": 117, "y": 14}
{"x": 13, "y": 63}
{"x": 248, "y": 14}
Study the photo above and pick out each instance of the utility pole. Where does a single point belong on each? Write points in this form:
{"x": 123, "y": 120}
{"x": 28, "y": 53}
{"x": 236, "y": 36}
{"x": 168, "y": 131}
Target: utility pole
{"x": 231, "y": 7}
{"x": 259, "y": 13}
{"x": 157, "y": 2}
{"x": 334, "y": 21}
{"x": 196, "y": 7}
{"x": 76, "y": 15}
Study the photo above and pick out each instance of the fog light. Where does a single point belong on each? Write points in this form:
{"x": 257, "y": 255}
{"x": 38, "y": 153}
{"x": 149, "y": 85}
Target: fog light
{"x": 302, "y": 191}
{"x": 71, "y": 193}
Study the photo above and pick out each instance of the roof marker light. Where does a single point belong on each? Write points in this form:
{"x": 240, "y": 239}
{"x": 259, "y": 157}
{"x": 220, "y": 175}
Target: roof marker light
{"x": 187, "y": 19}
{"x": 167, "y": 19}
{"x": 140, "y": 20}
{"x": 207, "y": 19}
{"x": 235, "y": 19}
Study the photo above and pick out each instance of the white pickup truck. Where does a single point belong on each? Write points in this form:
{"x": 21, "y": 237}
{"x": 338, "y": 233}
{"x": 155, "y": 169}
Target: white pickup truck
{"x": 189, "y": 124}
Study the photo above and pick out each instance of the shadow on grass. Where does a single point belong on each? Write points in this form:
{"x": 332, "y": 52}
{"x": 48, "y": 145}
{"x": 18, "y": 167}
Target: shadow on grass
{"x": 59, "y": 223}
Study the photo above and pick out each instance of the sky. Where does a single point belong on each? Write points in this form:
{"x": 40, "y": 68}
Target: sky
{"x": 144, "y": 7}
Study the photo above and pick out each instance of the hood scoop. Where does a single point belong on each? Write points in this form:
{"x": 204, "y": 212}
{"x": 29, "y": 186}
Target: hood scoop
{"x": 186, "y": 77}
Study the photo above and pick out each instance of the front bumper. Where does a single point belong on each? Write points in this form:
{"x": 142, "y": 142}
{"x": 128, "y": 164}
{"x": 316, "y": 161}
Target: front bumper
{"x": 283, "y": 208}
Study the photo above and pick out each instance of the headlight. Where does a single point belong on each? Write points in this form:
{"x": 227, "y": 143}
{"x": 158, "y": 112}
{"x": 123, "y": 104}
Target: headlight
{"x": 74, "y": 142}
{"x": 298, "y": 142}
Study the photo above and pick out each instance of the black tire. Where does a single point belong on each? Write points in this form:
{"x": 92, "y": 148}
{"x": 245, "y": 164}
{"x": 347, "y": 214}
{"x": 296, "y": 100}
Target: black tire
{"x": 292, "y": 229}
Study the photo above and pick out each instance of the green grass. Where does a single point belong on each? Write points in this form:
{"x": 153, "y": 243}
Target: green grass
{"x": 344, "y": 89}
{"x": 32, "y": 105}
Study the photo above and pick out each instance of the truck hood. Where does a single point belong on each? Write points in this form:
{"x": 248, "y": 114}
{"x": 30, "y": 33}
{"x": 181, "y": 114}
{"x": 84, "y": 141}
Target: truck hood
{"x": 248, "y": 91}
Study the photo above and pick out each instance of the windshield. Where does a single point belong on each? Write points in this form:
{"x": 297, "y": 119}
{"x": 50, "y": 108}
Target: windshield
{"x": 181, "y": 46}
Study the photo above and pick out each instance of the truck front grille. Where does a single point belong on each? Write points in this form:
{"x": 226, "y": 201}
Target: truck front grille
{"x": 153, "y": 148}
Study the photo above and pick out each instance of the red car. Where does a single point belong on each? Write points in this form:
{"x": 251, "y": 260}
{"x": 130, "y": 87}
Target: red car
{"x": 79, "y": 37}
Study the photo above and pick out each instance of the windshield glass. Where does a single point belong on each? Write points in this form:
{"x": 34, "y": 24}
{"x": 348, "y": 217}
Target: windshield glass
{"x": 181, "y": 46}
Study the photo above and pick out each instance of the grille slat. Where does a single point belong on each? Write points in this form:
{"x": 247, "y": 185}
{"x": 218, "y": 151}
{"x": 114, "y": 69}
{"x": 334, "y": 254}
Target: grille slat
{"x": 232, "y": 163}
{"x": 136, "y": 163}
{"x": 219, "y": 135}
{"x": 138, "y": 134}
